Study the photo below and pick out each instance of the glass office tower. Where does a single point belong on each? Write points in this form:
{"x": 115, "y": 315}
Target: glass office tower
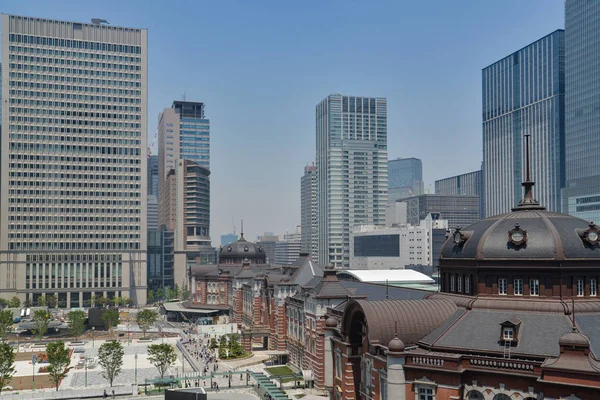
{"x": 524, "y": 94}
{"x": 469, "y": 183}
{"x": 405, "y": 178}
{"x": 352, "y": 171}
{"x": 581, "y": 195}
{"x": 73, "y": 170}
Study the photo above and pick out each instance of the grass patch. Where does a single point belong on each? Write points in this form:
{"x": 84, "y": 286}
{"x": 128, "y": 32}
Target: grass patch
{"x": 283, "y": 370}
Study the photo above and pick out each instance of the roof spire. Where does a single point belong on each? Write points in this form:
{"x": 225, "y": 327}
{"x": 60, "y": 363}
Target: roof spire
{"x": 242, "y": 230}
{"x": 528, "y": 202}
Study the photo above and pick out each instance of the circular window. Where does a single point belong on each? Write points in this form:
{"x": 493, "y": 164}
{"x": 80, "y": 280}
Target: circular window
{"x": 228, "y": 248}
{"x": 245, "y": 248}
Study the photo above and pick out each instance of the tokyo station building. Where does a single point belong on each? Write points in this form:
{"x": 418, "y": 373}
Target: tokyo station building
{"x": 517, "y": 317}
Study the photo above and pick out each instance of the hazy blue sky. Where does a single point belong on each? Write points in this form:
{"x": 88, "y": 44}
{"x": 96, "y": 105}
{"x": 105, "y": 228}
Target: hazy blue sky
{"x": 261, "y": 67}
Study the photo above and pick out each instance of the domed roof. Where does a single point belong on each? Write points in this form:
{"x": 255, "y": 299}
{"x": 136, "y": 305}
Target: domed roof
{"x": 574, "y": 339}
{"x": 331, "y": 322}
{"x": 242, "y": 249}
{"x": 396, "y": 345}
{"x": 525, "y": 233}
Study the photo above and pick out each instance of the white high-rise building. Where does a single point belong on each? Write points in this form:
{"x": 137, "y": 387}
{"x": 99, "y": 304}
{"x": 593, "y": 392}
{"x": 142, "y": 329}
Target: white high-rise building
{"x": 352, "y": 171}
{"x": 308, "y": 212}
{"x": 73, "y": 169}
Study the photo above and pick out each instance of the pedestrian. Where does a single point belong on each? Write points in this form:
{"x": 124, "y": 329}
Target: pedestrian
{"x": 113, "y": 393}
{"x": 105, "y": 395}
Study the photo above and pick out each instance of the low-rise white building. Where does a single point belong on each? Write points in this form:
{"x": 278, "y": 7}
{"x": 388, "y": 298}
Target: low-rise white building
{"x": 378, "y": 247}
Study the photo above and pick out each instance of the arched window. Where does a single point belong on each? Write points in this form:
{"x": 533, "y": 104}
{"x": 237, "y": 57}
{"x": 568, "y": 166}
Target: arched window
{"x": 474, "y": 395}
{"x": 501, "y": 396}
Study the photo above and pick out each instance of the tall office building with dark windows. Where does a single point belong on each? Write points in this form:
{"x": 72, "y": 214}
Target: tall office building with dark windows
{"x": 523, "y": 94}
{"x": 352, "y": 171}
{"x": 405, "y": 178}
{"x": 581, "y": 195}
{"x": 153, "y": 175}
{"x": 73, "y": 170}
{"x": 470, "y": 183}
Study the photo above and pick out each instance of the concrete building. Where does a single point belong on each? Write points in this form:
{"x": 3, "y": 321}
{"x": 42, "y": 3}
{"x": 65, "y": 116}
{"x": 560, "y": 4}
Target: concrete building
{"x": 405, "y": 178}
{"x": 186, "y": 212}
{"x": 379, "y": 247}
{"x": 469, "y": 183}
{"x": 288, "y": 249}
{"x": 73, "y": 169}
{"x": 308, "y": 212}
{"x": 267, "y": 242}
{"x": 228, "y": 238}
{"x": 524, "y": 94}
{"x": 459, "y": 210}
{"x": 396, "y": 213}
{"x": 581, "y": 195}
{"x": 351, "y": 170}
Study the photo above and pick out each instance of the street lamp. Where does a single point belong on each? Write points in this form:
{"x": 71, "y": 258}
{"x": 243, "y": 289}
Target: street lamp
{"x": 33, "y": 361}
{"x": 136, "y": 357}
{"x": 86, "y": 365}
{"x": 93, "y": 336}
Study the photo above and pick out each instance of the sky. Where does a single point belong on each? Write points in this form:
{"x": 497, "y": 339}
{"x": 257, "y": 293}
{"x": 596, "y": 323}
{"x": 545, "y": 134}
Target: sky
{"x": 261, "y": 67}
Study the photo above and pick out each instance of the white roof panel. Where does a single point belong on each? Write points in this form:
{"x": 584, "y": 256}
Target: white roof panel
{"x": 389, "y": 275}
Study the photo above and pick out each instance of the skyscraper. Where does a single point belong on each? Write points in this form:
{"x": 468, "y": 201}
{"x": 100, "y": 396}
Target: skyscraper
{"x": 308, "y": 211}
{"x": 352, "y": 170}
{"x": 524, "y": 94}
{"x": 405, "y": 178}
{"x": 153, "y": 175}
{"x": 73, "y": 171}
{"x": 469, "y": 183}
{"x": 581, "y": 195}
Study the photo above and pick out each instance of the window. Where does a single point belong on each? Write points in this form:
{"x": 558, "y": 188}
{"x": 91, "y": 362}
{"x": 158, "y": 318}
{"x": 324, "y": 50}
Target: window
{"x": 467, "y": 284}
{"x": 460, "y": 284}
{"x": 502, "y": 286}
{"x": 383, "y": 387}
{"x": 425, "y": 393}
{"x": 452, "y": 279}
{"x": 580, "y": 288}
{"x": 508, "y": 333}
{"x": 518, "y": 287}
{"x": 534, "y": 287}
{"x": 593, "y": 287}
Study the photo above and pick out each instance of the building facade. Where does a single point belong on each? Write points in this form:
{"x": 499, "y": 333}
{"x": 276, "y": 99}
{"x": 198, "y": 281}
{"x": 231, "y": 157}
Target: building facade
{"x": 351, "y": 170}
{"x": 405, "y": 178}
{"x": 73, "y": 174}
{"x": 469, "y": 183}
{"x": 581, "y": 195}
{"x": 308, "y": 212}
{"x": 459, "y": 210}
{"x": 153, "y": 175}
{"x": 378, "y": 247}
{"x": 523, "y": 94}
{"x": 288, "y": 249}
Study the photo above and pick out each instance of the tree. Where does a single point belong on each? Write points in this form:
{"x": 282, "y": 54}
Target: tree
{"x": 58, "y": 360}
{"x": 6, "y": 322}
{"x": 169, "y": 294}
{"x": 41, "y": 301}
{"x": 129, "y": 301}
{"x": 185, "y": 293}
{"x": 110, "y": 358}
{"x": 15, "y": 302}
{"x": 111, "y": 319}
{"x": 76, "y": 321}
{"x": 3, "y": 302}
{"x": 150, "y": 296}
{"x": 177, "y": 291}
{"x": 7, "y": 364}
{"x": 145, "y": 319}
{"x": 93, "y": 300}
{"x": 160, "y": 294}
{"x": 103, "y": 301}
{"x": 235, "y": 348}
{"x": 41, "y": 319}
{"x": 52, "y": 301}
{"x": 162, "y": 356}
{"x": 27, "y": 302}
{"x": 213, "y": 343}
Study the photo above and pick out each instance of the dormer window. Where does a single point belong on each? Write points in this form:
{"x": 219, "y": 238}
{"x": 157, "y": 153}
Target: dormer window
{"x": 460, "y": 284}
{"x": 467, "y": 284}
{"x": 580, "y": 288}
{"x": 509, "y": 330}
{"x": 452, "y": 281}
{"x": 534, "y": 287}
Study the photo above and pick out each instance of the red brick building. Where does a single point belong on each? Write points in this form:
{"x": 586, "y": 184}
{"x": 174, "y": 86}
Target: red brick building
{"x": 517, "y": 317}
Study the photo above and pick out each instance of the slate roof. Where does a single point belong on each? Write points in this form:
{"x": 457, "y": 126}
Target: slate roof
{"x": 539, "y": 333}
{"x": 589, "y": 325}
{"x": 550, "y": 236}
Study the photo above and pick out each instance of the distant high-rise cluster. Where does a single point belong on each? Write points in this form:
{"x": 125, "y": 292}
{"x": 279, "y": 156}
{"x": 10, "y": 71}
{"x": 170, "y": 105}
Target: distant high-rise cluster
{"x": 405, "y": 178}
{"x": 308, "y": 212}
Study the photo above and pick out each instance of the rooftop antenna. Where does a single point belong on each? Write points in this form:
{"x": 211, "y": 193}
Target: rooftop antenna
{"x": 528, "y": 201}
{"x": 242, "y": 231}
{"x": 387, "y": 289}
